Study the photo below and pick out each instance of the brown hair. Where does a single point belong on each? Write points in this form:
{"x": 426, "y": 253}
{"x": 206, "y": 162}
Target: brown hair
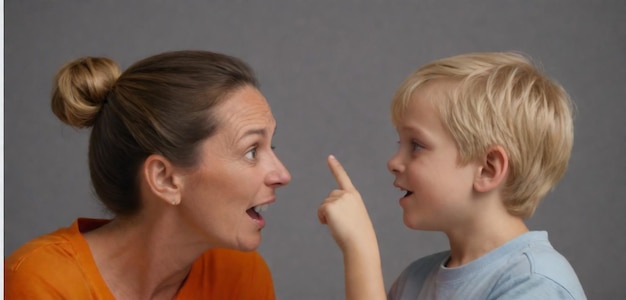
{"x": 160, "y": 105}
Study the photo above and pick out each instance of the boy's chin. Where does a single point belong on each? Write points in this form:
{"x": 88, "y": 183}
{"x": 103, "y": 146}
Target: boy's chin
{"x": 411, "y": 223}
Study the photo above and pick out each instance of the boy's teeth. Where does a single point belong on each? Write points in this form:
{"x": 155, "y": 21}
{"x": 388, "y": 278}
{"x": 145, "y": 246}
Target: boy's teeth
{"x": 260, "y": 208}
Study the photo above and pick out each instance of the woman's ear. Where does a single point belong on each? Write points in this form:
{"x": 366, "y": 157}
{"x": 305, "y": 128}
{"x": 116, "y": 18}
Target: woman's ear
{"x": 162, "y": 179}
{"x": 493, "y": 170}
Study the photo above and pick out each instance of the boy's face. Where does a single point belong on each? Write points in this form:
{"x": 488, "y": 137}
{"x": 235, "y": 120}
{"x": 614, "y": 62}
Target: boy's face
{"x": 438, "y": 189}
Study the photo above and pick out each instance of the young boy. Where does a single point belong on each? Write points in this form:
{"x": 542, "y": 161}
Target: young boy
{"x": 483, "y": 137}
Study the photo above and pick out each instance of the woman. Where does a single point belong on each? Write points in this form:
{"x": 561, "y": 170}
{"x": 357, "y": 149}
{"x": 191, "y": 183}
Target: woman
{"x": 180, "y": 151}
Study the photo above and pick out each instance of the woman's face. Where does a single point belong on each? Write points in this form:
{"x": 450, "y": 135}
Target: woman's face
{"x": 237, "y": 172}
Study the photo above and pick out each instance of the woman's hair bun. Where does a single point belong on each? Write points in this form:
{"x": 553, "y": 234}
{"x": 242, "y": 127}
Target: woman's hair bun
{"x": 81, "y": 88}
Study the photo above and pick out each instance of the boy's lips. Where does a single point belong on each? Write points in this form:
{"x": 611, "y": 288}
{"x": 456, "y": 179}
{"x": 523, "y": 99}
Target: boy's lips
{"x": 408, "y": 193}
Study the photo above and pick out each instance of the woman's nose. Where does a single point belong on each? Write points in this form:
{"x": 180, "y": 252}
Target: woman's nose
{"x": 279, "y": 176}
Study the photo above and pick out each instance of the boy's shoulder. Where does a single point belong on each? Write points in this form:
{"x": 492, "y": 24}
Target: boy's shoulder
{"x": 523, "y": 268}
{"x": 539, "y": 264}
{"x": 539, "y": 257}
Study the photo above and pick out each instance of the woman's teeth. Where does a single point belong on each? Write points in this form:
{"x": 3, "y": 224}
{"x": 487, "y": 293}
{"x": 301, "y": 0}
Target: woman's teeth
{"x": 260, "y": 208}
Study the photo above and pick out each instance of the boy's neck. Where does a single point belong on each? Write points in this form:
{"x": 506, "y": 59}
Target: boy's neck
{"x": 472, "y": 241}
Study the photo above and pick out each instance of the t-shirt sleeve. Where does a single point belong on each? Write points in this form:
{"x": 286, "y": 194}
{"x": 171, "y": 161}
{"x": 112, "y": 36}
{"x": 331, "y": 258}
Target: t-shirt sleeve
{"x": 31, "y": 282}
{"x": 534, "y": 286}
{"x": 22, "y": 285}
{"x": 395, "y": 292}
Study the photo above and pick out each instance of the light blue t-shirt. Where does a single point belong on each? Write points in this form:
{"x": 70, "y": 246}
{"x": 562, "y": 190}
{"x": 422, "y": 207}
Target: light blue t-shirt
{"x": 527, "y": 267}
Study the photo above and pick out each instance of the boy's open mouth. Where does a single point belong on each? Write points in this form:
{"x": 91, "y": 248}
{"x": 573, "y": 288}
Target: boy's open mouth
{"x": 408, "y": 193}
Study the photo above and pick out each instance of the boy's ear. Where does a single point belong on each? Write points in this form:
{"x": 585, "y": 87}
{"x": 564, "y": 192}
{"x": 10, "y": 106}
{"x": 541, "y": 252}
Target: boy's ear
{"x": 162, "y": 179}
{"x": 493, "y": 170}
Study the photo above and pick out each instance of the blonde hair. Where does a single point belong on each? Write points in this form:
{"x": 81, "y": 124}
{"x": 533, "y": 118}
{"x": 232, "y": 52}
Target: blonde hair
{"x": 501, "y": 98}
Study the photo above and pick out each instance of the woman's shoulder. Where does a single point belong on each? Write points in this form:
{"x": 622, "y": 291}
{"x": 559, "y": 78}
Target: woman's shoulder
{"x": 43, "y": 267}
{"x": 61, "y": 251}
{"x": 41, "y": 251}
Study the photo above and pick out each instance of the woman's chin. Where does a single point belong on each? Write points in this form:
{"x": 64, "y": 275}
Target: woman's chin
{"x": 250, "y": 243}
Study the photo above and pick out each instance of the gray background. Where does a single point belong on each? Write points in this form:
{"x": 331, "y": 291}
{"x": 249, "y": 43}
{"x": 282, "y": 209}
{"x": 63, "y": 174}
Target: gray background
{"x": 329, "y": 69}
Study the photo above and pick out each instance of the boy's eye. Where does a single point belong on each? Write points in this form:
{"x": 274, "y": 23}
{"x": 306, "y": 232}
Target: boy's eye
{"x": 251, "y": 154}
{"x": 415, "y": 146}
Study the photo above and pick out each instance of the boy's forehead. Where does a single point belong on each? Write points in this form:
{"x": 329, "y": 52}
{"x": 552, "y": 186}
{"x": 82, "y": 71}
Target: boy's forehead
{"x": 422, "y": 100}
{"x": 430, "y": 96}
{"x": 419, "y": 98}
{"x": 419, "y": 109}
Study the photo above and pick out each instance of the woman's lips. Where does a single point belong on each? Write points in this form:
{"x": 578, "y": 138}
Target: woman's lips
{"x": 254, "y": 214}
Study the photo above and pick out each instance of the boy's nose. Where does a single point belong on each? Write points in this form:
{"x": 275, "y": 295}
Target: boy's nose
{"x": 394, "y": 166}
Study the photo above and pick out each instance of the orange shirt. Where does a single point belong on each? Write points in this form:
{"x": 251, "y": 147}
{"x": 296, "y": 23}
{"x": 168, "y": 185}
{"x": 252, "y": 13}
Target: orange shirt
{"x": 59, "y": 265}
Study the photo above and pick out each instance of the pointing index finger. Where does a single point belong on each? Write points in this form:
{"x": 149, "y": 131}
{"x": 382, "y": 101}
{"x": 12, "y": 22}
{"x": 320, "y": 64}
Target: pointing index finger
{"x": 340, "y": 174}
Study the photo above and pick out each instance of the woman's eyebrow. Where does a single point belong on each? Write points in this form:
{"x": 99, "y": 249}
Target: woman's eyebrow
{"x": 256, "y": 131}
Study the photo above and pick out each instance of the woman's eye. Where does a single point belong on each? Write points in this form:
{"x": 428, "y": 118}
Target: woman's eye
{"x": 251, "y": 154}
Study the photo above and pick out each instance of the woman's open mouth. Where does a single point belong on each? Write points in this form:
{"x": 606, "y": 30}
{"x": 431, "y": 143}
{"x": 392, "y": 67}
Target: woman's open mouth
{"x": 255, "y": 214}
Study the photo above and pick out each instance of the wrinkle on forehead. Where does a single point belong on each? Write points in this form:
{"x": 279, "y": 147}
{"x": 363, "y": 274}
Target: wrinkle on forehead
{"x": 244, "y": 110}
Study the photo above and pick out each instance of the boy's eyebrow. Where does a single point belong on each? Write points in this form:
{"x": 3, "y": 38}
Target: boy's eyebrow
{"x": 420, "y": 132}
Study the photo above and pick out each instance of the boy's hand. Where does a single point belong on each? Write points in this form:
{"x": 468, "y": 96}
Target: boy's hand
{"x": 345, "y": 214}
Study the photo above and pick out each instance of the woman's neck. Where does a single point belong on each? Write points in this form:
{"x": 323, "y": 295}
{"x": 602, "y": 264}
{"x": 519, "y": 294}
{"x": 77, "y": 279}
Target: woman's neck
{"x": 141, "y": 257}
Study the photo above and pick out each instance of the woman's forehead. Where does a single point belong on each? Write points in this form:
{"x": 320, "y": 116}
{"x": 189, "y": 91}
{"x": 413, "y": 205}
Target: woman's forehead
{"x": 245, "y": 109}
